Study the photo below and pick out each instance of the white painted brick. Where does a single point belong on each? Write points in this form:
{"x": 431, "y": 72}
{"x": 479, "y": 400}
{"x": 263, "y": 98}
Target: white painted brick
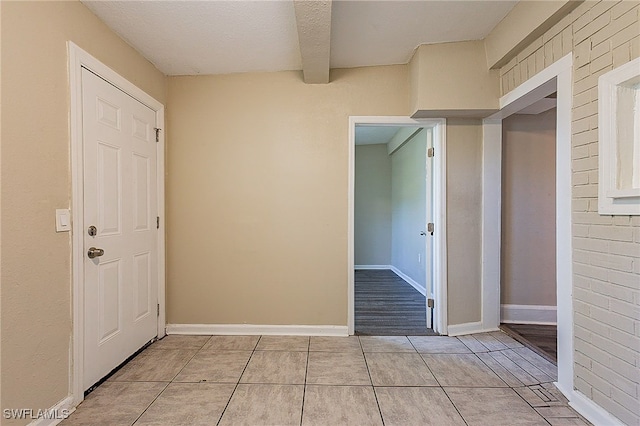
{"x": 539, "y": 55}
{"x": 627, "y": 309}
{"x": 614, "y": 27}
{"x": 580, "y": 126}
{"x": 582, "y": 386}
{"x": 612, "y": 290}
{"x": 585, "y": 111}
{"x": 590, "y": 244}
{"x": 636, "y": 235}
{"x": 593, "y": 380}
{"x": 530, "y": 49}
{"x": 636, "y": 267}
{"x": 635, "y": 48}
{"x": 616, "y": 380}
{"x": 604, "y": 62}
{"x": 594, "y": 300}
{"x": 582, "y": 359}
{"x": 622, "y": 220}
{"x": 581, "y": 256}
{"x": 585, "y": 191}
{"x": 621, "y": 8}
{"x": 626, "y": 400}
{"x": 624, "y": 249}
{"x": 627, "y": 340}
{"x": 581, "y": 308}
{"x": 583, "y": 20}
{"x": 593, "y": 205}
{"x": 635, "y": 220}
{"x": 593, "y": 175}
{"x": 600, "y": 49}
{"x": 605, "y": 401}
{"x": 593, "y": 122}
{"x": 608, "y": 261}
{"x": 626, "y": 35}
{"x": 617, "y": 321}
{"x": 548, "y": 54}
{"x": 623, "y": 278}
{"x": 580, "y": 231}
{"x": 580, "y": 333}
{"x": 615, "y": 349}
{"x": 617, "y": 233}
{"x": 593, "y": 352}
{"x": 582, "y": 54}
{"x": 600, "y": 8}
{"x": 557, "y": 47}
{"x": 580, "y": 281}
{"x": 592, "y": 27}
{"x": 580, "y": 206}
{"x": 622, "y": 54}
{"x": 593, "y": 272}
{"x": 580, "y": 73}
{"x": 625, "y": 369}
{"x": 591, "y": 218}
{"x": 585, "y": 137}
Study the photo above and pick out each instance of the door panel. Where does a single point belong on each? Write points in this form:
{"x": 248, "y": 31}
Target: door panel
{"x": 120, "y": 200}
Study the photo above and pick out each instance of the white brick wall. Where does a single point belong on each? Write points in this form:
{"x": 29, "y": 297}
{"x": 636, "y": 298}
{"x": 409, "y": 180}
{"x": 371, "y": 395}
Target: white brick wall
{"x": 606, "y": 249}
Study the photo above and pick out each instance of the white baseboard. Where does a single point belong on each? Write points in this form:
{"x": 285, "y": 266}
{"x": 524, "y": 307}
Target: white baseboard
{"x": 409, "y": 280}
{"x": 467, "y": 328}
{"x": 528, "y": 314}
{"x": 254, "y": 330}
{"x": 58, "y": 411}
{"x": 592, "y": 411}
{"x": 374, "y": 267}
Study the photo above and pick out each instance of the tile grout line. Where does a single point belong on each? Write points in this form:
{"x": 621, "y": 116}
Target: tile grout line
{"x": 304, "y": 388}
{"x": 238, "y": 381}
{"x": 438, "y": 381}
{"x": 373, "y": 388}
{"x": 170, "y": 381}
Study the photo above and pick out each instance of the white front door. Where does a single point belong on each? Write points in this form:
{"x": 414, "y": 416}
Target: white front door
{"x": 120, "y": 209}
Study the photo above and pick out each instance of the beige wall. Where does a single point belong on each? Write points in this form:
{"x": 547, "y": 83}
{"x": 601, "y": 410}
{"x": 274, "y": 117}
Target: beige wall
{"x": 36, "y": 280}
{"x": 257, "y": 193}
{"x": 451, "y": 80}
{"x": 528, "y": 264}
{"x": 372, "y": 205}
{"x": 464, "y": 216}
{"x": 606, "y": 249}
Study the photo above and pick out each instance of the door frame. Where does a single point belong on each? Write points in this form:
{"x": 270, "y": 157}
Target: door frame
{"x": 78, "y": 59}
{"x": 439, "y": 253}
{"x": 556, "y": 77}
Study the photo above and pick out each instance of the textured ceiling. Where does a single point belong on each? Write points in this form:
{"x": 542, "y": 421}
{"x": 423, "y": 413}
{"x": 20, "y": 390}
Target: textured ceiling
{"x": 220, "y": 37}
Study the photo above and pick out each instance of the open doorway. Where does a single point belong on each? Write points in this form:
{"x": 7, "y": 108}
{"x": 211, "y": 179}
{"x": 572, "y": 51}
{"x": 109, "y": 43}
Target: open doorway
{"x": 400, "y": 225}
{"x": 528, "y": 286}
{"x": 392, "y": 245}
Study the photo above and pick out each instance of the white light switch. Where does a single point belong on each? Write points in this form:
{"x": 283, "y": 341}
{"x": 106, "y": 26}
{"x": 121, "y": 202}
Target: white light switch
{"x": 63, "y": 220}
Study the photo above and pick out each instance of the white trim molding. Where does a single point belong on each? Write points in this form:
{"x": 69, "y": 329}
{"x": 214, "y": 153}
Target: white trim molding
{"x": 591, "y": 411}
{"x": 555, "y": 78}
{"x": 469, "y": 328}
{"x": 372, "y": 267}
{"x": 257, "y": 330}
{"x": 528, "y": 314}
{"x": 439, "y": 217}
{"x": 78, "y": 59}
{"x": 58, "y": 412}
{"x": 409, "y": 280}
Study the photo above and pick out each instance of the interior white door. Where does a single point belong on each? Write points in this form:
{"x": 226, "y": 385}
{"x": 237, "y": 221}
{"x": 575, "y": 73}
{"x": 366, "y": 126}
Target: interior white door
{"x": 120, "y": 201}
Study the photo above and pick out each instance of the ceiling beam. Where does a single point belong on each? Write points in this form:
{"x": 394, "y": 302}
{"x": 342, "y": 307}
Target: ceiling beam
{"x": 313, "y": 19}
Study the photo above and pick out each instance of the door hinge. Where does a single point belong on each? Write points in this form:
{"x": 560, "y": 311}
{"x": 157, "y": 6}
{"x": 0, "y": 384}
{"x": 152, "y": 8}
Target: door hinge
{"x": 431, "y": 152}
{"x": 158, "y": 311}
{"x": 430, "y": 303}
{"x": 430, "y": 228}
{"x": 157, "y": 134}
{"x": 157, "y": 222}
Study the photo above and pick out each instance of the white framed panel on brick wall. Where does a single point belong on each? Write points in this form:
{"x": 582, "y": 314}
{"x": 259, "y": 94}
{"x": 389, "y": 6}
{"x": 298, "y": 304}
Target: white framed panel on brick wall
{"x": 619, "y": 140}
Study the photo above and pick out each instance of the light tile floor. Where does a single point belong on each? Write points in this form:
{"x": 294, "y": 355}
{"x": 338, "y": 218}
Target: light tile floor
{"x": 482, "y": 379}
